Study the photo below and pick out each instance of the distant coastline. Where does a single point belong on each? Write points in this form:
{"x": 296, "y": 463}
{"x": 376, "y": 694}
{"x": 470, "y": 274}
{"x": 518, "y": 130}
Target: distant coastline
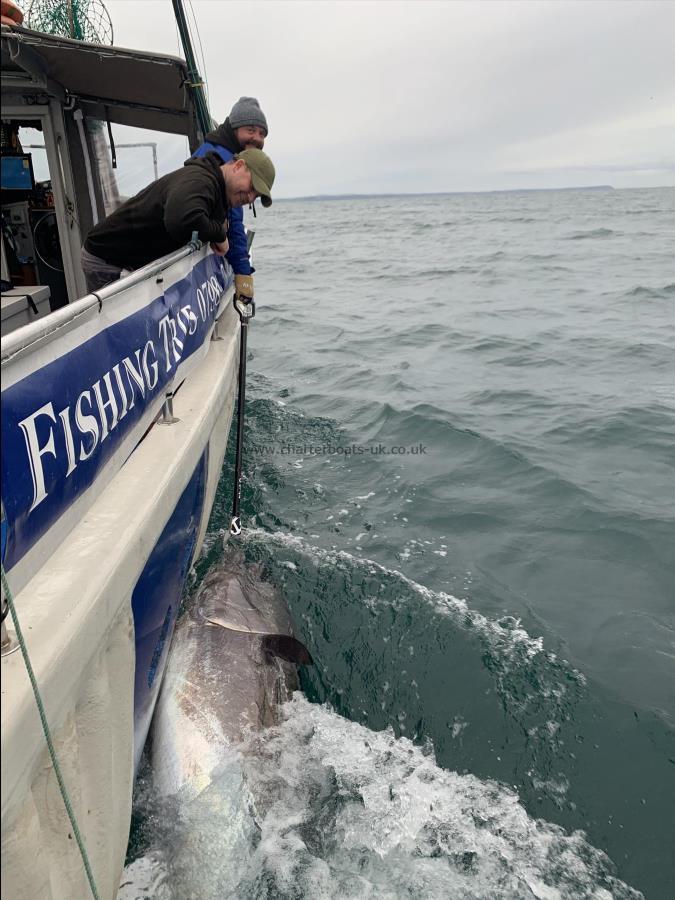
{"x": 594, "y": 187}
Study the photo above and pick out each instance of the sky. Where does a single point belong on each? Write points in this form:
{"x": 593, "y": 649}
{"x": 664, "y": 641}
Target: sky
{"x": 425, "y": 96}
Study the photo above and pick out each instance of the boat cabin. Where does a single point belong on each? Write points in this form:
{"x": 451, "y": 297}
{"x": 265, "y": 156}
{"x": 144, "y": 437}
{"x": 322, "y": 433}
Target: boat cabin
{"x": 83, "y": 127}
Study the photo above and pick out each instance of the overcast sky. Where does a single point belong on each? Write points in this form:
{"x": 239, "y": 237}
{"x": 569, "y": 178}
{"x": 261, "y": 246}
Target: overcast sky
{"x": 373, "y": 97}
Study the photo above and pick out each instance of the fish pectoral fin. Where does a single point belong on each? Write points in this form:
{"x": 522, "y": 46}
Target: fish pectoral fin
{"x": 289, "y": 648}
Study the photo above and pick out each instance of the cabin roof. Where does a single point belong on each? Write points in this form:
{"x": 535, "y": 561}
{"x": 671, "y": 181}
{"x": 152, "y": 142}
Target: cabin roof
{"x": 131, "y": 87}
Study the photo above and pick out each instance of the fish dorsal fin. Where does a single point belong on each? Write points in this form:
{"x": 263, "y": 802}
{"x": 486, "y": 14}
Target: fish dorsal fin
{"x": 289, "y": 648}
{"x": 282, "y": 645}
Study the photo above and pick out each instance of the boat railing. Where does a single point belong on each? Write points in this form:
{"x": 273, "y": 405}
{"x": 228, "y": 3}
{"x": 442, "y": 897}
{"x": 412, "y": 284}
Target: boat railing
{"x": 26, "y": 337}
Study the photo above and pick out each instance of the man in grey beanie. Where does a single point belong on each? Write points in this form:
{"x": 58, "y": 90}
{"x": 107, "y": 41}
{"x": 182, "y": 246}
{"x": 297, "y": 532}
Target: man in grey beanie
{"x": 244, "y": 129}
{"x": 249, "y": 123}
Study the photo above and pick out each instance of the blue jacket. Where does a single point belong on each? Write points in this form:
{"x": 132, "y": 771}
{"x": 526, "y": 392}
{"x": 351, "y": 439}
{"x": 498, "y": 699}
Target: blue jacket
{"x": 237, "y": 255}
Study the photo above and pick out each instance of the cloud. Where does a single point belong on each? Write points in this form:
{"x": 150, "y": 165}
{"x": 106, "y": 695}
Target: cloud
{"x": 398, "y": 96}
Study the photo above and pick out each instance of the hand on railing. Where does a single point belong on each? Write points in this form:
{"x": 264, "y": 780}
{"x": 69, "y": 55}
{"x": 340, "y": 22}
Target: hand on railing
{"x": 220, "y": 248}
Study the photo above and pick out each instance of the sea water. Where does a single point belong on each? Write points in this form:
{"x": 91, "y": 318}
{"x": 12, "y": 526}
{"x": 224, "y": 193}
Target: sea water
{"x": 460, "y": 468}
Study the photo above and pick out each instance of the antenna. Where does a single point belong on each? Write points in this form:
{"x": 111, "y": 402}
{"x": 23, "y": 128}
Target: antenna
{"x": 84, "y": 20}
{"x": 196, "y": 83}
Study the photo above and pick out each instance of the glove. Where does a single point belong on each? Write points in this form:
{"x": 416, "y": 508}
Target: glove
{"x": 243, "y": 288}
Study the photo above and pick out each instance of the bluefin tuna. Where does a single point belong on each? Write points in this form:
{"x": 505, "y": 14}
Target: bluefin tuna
{"x": 233, "y": 661}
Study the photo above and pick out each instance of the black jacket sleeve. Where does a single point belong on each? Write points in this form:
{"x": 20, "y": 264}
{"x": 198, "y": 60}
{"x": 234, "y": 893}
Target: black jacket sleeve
{"x": 190, "y": 205}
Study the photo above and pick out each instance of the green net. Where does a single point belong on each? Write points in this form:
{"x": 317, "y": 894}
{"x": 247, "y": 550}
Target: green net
{"x": 84, "y": 20}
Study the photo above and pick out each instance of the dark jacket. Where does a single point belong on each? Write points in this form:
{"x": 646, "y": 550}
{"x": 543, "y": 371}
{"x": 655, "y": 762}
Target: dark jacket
{"x": 224, "y": 136}
{"x": 224, "y": 142}
{"x": 163, "y": 216}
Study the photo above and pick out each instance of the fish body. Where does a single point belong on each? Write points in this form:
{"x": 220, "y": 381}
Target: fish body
{"x": 233, "y": 662}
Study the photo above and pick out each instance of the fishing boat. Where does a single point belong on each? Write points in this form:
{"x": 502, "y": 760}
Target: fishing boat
{"x": 116, "y": 409}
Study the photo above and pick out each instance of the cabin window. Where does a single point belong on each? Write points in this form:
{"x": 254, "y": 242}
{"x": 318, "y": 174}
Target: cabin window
{"x": 33, "y": 142}
{"x": 141, "y": 156}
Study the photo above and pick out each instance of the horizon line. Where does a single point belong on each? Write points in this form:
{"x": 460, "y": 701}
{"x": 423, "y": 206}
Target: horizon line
{"x": 524, "y": 190}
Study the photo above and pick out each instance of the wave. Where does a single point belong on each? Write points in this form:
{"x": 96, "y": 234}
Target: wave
{"x": 514, "y": 400}
{"x": 593, "y": 234}
{"x": 497, "y": 342}
{"x": 539, "y": 257}
{"x": 480, "y": 452}
{"x": 525, "y": 220}
{"x": 532, "y": 682}
{"x": 642, "y": 292}
{"x": 427, "y": 334}
{"x": 491, "y": 257}
{"x": 475, "y": 449}
{"x": 407, "y": 274}
{"x": 513, "y": 352}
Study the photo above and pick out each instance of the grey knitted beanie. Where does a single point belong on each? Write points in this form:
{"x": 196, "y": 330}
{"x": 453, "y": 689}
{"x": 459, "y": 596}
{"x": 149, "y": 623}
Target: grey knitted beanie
{"x": 246, "y": 111}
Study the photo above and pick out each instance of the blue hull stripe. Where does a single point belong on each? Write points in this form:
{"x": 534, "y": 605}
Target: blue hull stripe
{"x": 156, "y": 599}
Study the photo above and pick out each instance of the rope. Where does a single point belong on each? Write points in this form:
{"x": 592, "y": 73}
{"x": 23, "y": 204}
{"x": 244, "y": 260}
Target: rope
{"x": 48, "y": 738}
{"x": 201, "y": 50}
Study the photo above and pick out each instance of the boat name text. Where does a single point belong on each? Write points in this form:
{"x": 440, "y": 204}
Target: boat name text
{"x": 74, "y": 433}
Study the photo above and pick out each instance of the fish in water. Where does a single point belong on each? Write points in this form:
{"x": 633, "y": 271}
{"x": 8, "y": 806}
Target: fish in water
{"x": 233, "y": 661}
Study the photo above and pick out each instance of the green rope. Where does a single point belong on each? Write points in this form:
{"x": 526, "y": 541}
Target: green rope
{"x": 48, "y": 737}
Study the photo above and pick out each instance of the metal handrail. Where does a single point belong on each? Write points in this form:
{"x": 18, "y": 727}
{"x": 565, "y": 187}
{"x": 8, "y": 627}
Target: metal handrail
{"x": 19, "y": 340}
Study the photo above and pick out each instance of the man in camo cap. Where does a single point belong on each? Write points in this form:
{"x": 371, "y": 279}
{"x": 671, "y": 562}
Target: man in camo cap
{"x": 199, "y": 197}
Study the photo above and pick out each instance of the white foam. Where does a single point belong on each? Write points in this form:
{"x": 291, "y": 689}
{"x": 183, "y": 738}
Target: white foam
{"x": 343, "y": 812}
{"x": 147, "y": 876}
{"x": 358, "y": 813}
{"x": 457, "y": 726}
